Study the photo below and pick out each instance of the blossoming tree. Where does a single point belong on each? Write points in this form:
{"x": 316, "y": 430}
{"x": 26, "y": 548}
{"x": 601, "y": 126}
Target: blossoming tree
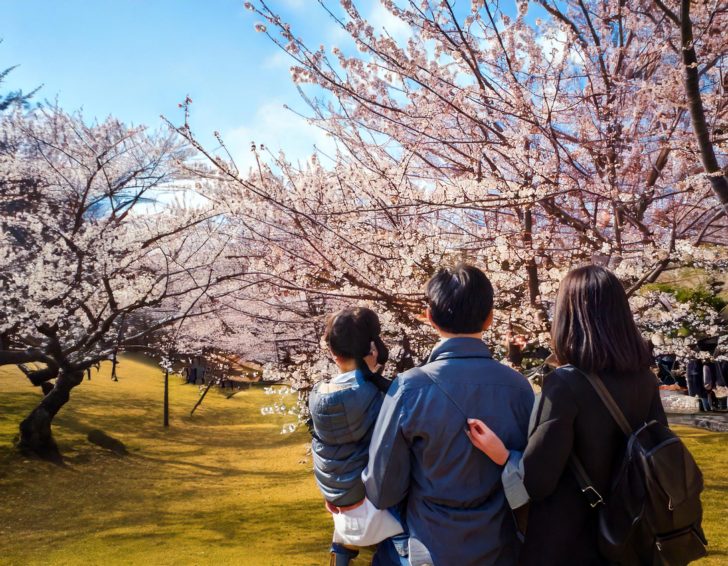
{"x": 98, "y": 249}
{"x": 526, "y": 138}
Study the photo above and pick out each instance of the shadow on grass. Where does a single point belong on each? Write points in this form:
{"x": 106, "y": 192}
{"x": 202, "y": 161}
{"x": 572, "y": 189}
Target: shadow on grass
{"x": 221, "y": 487}
{"x": 238, "y": 526}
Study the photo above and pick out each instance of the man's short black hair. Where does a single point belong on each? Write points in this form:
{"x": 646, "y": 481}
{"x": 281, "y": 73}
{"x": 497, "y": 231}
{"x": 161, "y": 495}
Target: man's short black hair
{"x": 460, "y": 299}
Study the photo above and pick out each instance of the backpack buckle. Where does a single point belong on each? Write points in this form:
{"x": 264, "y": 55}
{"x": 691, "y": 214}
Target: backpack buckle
{"x": 592, "y": 495}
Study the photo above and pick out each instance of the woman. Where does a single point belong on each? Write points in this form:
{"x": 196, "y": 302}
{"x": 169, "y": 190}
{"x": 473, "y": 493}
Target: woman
{"x": 593, "y": 330}
{"x": 344, "y": 411}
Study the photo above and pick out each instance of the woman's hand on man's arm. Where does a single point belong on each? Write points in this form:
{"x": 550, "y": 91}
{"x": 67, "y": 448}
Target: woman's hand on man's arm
{"x": 487, "y": 441}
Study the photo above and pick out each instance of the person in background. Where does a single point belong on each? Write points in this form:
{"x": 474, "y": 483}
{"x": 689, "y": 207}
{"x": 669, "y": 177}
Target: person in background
{"x": 593, "y": 331}
{"x": 456, "y": 511}
{"x": 343, "y": 411}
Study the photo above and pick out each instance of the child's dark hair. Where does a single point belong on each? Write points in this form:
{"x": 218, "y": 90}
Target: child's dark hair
{"x": 460, "y": 299}
{"x": 350, "y": 332}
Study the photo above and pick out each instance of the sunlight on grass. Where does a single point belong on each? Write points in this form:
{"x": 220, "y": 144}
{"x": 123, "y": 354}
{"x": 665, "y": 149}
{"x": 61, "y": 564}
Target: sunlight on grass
{"x": 710, "y": 449}
{"x": 221, "y": 487}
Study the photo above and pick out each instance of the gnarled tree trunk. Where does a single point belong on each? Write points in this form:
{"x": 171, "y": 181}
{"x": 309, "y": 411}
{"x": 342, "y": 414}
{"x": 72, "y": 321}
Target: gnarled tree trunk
{"x": 35, "y": 431}
{"x": 718, "y": 180}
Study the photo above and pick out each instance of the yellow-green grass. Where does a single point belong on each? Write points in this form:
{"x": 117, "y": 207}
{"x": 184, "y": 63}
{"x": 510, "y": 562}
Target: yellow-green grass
{"x": 221, "y": 487}
{"x": 710, "y": 449}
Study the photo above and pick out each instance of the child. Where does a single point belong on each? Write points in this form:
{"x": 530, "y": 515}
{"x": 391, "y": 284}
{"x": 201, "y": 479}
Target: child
{"x": 344, "y": 411}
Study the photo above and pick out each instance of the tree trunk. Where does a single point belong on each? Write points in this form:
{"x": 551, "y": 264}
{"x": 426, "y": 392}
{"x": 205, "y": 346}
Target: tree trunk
{"x": 166, "y": 398}
{"x": 534, "y": 287}
{"x": 202, "y": 397}
{"x": 35, "y": 431}
{"x": 718, "y": 180}
{"x": 531, "y": 267}
{"x": 114, "y": 363}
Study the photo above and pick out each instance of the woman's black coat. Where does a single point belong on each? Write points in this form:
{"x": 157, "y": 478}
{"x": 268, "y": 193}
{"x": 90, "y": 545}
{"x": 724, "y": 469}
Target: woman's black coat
{"x": 562, "y": 527}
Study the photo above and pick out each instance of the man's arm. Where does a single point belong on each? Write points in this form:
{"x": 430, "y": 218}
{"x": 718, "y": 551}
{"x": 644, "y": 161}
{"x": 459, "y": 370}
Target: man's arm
{"x": 387, "y": 475}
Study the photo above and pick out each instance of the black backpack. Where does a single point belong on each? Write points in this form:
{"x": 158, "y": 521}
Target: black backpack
{"x": 652, "y": 513}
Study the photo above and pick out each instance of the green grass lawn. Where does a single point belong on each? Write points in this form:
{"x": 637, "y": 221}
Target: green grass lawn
{"x": 221, "y": 487}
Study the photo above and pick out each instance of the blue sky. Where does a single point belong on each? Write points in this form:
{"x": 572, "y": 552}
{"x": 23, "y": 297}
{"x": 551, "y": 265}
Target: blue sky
{"x": 137, "y": 59}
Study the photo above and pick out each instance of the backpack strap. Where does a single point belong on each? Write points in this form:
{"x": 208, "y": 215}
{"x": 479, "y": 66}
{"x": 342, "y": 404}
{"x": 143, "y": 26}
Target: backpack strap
{"x": 608, "y": 401}
{"x": 584, "y": 481}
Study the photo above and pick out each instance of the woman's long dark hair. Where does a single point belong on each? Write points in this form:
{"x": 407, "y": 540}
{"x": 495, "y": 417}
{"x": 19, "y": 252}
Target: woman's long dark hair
{"x": 593, "y": 327}
{"x": 350, "y": 332}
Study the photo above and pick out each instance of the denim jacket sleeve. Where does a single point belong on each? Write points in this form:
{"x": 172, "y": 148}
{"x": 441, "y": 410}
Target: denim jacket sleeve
{"x": 387, "y": 475}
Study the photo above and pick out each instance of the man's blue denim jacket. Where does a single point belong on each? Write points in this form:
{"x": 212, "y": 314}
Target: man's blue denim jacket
{"x": 420, "y": 453}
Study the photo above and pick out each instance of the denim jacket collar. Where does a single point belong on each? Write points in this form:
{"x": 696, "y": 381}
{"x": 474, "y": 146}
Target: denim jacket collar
{"x": 463, "y": 347}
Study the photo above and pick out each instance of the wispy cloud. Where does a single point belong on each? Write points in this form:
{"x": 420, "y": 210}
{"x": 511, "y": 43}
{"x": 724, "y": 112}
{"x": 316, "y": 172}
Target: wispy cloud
{"x": 278, "y": 129}
{"x": 382, "y": 19}
{"x": 277, "y": 60}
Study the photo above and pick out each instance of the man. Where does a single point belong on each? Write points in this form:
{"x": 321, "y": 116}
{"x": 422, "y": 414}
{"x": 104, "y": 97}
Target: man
{"x": 456, "y": 510}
